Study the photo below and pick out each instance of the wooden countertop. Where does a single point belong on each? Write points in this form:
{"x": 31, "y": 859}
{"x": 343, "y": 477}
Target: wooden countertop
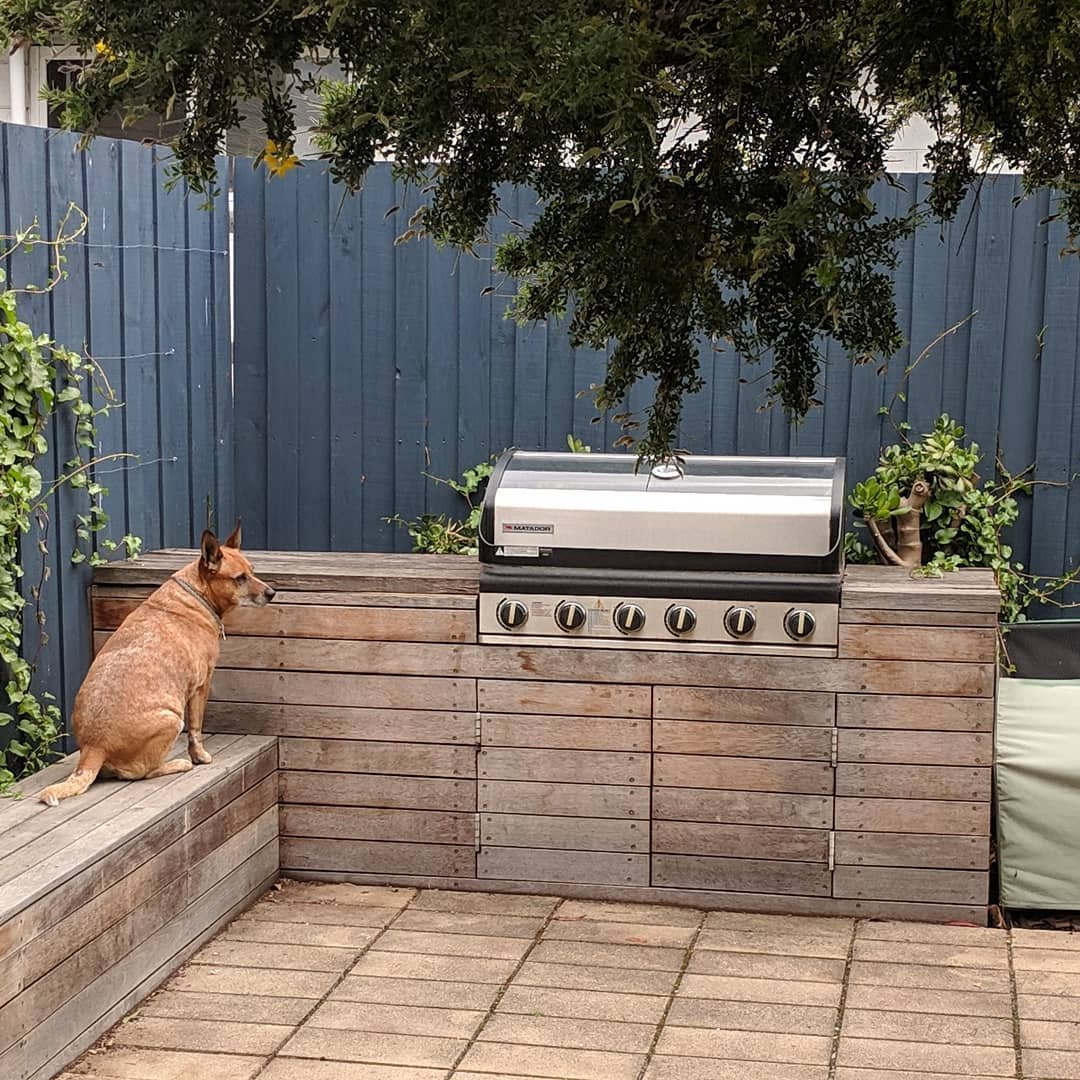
{"x": 369, "y": 572}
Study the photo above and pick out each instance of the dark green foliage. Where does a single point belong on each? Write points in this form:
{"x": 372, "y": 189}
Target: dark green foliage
{"x": 703, "y": 167}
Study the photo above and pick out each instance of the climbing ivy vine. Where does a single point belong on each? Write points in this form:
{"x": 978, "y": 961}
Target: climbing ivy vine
{"x": 40, "y": 379}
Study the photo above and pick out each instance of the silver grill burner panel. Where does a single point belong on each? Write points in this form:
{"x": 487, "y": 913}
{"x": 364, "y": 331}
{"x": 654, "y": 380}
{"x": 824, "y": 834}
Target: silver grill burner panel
{"x": 728, "y": 554}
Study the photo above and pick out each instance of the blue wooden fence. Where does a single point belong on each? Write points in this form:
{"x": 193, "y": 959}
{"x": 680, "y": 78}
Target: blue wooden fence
{"x": 361, "y": 365}
{"x": 147, "y": 295}
{"x": 358, "y": 365}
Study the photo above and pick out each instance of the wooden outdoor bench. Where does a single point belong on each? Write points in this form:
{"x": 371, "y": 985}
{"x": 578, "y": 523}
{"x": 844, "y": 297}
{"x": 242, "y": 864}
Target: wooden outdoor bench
{"x": 104, "y": 896}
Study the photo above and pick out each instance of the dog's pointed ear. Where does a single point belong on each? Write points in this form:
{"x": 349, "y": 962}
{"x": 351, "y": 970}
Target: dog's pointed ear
{"x": 234, "y": 537}
{"x": 210, "y": 550}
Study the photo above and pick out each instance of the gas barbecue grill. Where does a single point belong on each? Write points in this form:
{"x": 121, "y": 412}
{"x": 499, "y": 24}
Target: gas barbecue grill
{"x": 720, "y": 553}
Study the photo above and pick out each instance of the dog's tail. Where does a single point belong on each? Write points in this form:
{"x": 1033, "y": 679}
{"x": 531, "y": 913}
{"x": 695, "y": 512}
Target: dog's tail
{"x": 90, "y": 761}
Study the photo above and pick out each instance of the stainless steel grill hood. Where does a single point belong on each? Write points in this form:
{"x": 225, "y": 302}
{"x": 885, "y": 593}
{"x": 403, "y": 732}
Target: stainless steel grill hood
{"x": 594, "y": 530}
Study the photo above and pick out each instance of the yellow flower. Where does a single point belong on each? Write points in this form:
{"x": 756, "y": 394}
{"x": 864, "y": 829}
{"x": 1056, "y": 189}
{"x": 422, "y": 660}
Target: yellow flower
{"x": 279, "y": 159}
{"x": 103, "y": 50}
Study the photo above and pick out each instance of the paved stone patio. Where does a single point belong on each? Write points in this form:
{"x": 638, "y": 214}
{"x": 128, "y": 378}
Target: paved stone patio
{"x": 340, "y": 982}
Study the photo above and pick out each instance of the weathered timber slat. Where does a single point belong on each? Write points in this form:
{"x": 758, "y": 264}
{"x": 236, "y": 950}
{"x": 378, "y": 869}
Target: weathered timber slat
{"x": 543, "y": 663}
{"x": 565, "y": 699}
{"x": 574, "y": 833}
{"x": 894, "y": 617}
{"x": 914, "y": 713}
{"x": 316, "y": 621}
{"x": 341, "y": 722}
{"x": 913, "y": 816}
{"x": 741, "y": 740}
{"x": 809, "y": 707}
{"x": 565, "y": 732}
{"x": 886, "y": 883}
{"x": 596, "y": 867}
{"x": 740, "y": 875}
{"x": 913, "y": 849}
{"x": 740, "y": 841}
{"x": 913, "y": 782}
{"x": 917, "y": 643}
{"x": 391, "y": 792}
{"x": 742, "y": 774}
{"x": 894, "y": 588}
{"x": 337, "y": 572}
{"x": 375, "y": 691}
{"x": 569, "y": 800}
{"x": 352, "y": 755}
{"x": 564, "y": 766}
{"x": 742, "y": 807}
{"x": 304, "y": 597}
{"x": 362, "y": 823}
{"x": 916, "y": 747}
{"x": 306, "y": 853}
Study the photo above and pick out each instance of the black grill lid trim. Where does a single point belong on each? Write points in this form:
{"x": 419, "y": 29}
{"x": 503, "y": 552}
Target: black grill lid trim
{"x": 764, "y": 588}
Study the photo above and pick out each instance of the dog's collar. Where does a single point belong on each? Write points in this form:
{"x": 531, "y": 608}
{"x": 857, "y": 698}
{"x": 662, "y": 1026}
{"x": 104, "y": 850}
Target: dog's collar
{"x": 205, "y": 603}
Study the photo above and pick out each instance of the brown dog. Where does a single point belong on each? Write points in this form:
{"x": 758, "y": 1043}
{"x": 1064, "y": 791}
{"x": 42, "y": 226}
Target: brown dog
{"x": 157, "y": 667}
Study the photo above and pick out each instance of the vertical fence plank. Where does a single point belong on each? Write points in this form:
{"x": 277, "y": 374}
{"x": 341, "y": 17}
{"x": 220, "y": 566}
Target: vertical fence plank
{"x": 347, "y": 450}
{"x": 221, "y": 356}
{"x": 312, "y": 401}
{"x": 250, "y": 319}
{"x": 378, "y": 298}
{"x": 474, "y": 357}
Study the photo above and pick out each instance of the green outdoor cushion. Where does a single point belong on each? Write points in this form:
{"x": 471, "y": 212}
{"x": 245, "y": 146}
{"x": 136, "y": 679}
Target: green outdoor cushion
{"x": 1037, "y": 783}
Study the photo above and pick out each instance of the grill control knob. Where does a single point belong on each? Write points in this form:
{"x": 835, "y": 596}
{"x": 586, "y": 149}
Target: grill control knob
{"x": 511, "y": 614}
{"x": 740, "y": 621}
{"x": 799, "y": 623}
{"x": 629, "y": 618}
{"x": 570, "y": 615}
{"x": 680, "y": 619}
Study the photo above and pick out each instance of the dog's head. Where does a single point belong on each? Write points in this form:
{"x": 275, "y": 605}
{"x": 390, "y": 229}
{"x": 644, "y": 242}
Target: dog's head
{"x": 228, "y": 575}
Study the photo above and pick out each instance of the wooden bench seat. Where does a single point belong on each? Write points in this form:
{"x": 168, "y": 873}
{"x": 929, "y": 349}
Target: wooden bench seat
{"x": 104, "y": 896}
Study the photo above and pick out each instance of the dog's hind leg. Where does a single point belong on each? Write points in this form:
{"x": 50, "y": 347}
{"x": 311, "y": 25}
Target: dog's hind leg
{"x": 90, "y": 762}
{"x": 177, "y": 765}
{"x": 196, "y": 709}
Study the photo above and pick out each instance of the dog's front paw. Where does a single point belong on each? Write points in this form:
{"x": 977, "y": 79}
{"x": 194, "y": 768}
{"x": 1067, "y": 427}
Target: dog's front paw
{"x": 200, "y": 756}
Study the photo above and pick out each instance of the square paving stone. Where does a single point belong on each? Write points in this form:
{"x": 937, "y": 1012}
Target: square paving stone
{"x": 829, "y": 946}
{"x": 929, "y": 1057}
{"x": 292, "y": 933}
{"x": 442, "y": 968}
{"x": 244, "y": 1008}
{"x": 690, "y": 1068}
{"x": 421, "y": 992}
{"x": 306, "y": 1069}
{"x": 934, "y": 954}
{"x": 375, "y": 1047}
{"x": 609, "y": 911}
{"x": 397, "y": 1019}
{"x": 548, "y": 1061}
{"x": 620, "y": 933}
{"x": 1051, "y": 1065}
{"x": 781, "y": 992}
{"x": 574, "y": 1033}
{"x": 212, "y": 979}
{"x": 583, "y": 1004}
{"x": 752, "y": 1016}
{"x": 484, "y": 903}
{"x": 582, "y": 977}
{"x": 745, "y": 1045}
{"x": 631, "y": 957}
{"x": 481, "y": 945}
{"x": 124, "y": 1064}
{"x": 462, "y": 922}
{"x": 926, "y": 1027}
{"x": 211, "y": 1036}
{"x": 940, "y": 1002}
{"x": 285, "y": 957}
{"x": 758, "y": 966}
